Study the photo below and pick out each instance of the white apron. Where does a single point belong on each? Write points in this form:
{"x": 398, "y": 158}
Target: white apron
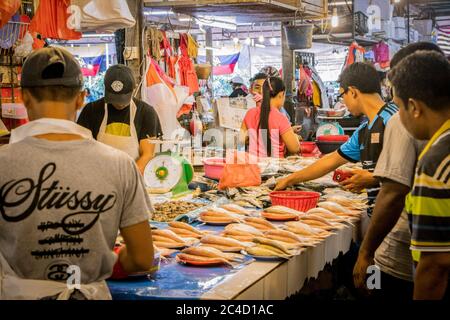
{"x": 14, "y": 288}
{"x": 129, "y": 145}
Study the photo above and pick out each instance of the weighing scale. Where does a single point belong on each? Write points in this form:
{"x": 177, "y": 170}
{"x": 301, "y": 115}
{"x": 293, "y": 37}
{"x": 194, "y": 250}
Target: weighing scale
{"x": 168, "y": 172}
{"x": 329, "y": 126}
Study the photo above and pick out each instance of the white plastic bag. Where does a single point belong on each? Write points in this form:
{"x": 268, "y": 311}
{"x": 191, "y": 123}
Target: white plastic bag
{"x": 100, "y": 15}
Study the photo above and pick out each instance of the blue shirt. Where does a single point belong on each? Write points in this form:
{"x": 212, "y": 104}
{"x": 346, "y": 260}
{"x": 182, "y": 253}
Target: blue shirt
{"x": 366, "y": 143}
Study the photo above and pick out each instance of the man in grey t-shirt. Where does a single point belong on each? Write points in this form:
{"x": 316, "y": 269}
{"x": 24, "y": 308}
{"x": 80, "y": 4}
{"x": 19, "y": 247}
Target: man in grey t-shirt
{"x": 64, "y": 196}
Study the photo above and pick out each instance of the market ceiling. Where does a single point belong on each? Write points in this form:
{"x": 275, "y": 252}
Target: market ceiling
{"x": 244, "y": 10}
{"x": 437, "y": 8}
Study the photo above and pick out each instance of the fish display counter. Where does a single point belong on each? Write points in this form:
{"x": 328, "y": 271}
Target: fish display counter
{"x": 227, "y": 251}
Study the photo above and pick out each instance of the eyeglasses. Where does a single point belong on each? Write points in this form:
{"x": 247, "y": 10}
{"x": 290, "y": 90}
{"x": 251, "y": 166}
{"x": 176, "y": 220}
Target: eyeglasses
{"x": 341, "y": 94}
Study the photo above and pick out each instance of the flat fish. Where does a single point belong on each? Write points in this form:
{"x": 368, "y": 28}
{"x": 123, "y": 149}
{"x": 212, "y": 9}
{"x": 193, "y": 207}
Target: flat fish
{"x": 189, "y": 258}
{"x": 282, "y": 210}
{"x": 259, "y": 221}
{"x": 244, "y": 228}
{"x": 183, "y": 225}
{"x": 167, "y": 234}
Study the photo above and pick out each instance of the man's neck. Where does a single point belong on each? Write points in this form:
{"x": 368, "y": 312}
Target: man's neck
{"x": 435, "y": 121}
{"x": 372, "y": 105}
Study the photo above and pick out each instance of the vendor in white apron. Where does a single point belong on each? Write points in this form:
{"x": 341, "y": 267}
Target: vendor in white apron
{"x": 121, "y": 121}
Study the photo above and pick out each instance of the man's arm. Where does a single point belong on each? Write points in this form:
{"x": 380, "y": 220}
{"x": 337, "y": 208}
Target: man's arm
{"x": 431, "y": 277}
{"x": 387, "y": 211}
{"x": 318, "y": 169}
{"x": 243, "y": 136}
{"x": 137, "y": 255}
{"x": 146, "y": 152}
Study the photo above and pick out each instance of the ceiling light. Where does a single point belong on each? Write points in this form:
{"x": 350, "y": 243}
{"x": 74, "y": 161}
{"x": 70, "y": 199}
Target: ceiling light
{"x": 334, "y": 19}
{"x": 158, "y": 13}
{"x": 273, "y": 41}
{"x": 236, "y": 40}
{"x": 248, "y": 41}
{"x": 261, "y": 39}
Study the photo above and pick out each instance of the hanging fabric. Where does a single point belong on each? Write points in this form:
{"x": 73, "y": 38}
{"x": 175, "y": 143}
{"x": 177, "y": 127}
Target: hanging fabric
{"x": 381, "y": 52}
{"x": 100, "y": 15}
{"x": 7, "y": 9}
{"x": 192, "y": 47}
{"x": 154, "y": 38}
{"x": 355, "y": 54}
{"x": 50, "y": 21}
{"x": 165, "y": 98}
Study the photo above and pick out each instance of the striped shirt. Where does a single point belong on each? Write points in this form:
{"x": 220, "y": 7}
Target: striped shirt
{"x": 365, "y": 145}
{"x": 428, "y": 204}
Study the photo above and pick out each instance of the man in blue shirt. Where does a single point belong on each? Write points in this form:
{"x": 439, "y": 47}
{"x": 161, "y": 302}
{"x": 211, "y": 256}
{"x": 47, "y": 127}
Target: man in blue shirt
{"x": 361, "y": 91}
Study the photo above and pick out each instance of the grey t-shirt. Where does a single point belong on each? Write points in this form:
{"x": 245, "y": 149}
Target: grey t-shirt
{"x": 397, "y": 162}
{"x": 62, "y": 203}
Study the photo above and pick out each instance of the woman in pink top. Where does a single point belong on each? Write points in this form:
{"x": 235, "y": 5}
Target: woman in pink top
{"x": 269, "y": 131}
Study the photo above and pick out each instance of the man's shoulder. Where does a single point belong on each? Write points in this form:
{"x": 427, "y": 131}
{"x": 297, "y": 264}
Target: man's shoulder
{"x": 388, "y": 112}
{"x": 435, "y": 161}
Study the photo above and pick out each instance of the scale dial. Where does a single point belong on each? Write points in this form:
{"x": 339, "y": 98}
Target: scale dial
{"x": 163, "y": 172}
{"x": 329, "y": 129}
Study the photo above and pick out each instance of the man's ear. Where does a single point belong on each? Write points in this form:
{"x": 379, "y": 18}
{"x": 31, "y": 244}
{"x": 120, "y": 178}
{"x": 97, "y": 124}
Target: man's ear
{"x": 415, "y": 107}
{"x": 353, "y": 92}
{"x": 80, "y": 100}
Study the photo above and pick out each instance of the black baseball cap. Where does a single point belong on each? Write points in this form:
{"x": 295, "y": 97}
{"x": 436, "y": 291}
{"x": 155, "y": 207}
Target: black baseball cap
{"x": 51, "y": 66}
{"x": 119, "y": 85}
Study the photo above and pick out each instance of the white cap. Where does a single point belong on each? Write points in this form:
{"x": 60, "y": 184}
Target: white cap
{"x": 237, "y": 80}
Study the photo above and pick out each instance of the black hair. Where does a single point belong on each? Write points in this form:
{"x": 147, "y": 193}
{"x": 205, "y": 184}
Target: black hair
{"x": 53, "y": 93}
{"x": 362, "y": 76}
{"x": 413, "y": 47}
{"x": 258, "y": 76}
{"x": 271, "y": 88}
{"x": 424, "y": 76}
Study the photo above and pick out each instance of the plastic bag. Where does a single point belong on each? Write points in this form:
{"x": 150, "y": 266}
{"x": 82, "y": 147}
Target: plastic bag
{"x": 7, "y": 9}
{"x": 240, "y": 170}
{"x": 101, "y": 15}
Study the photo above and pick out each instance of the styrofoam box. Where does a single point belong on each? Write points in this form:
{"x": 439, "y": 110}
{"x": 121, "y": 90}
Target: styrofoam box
{"x": 399, "y": 22}
{"x": 400, "y": 34}
{"x": 14, "y": 111}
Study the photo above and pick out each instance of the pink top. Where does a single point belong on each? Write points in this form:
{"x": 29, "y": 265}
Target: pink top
{"x": 278, "y": 125}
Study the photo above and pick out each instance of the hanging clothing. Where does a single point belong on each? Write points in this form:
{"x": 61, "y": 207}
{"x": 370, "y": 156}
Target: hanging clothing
{"x": 127, "y": 144}
{"x": 381, "y": 52}
{"x": 7, "y": 10}
{"x": 188, "y": 75}
{"x": 192, "y": 47}
{"x": 316, "y": 99}
{"x": 355, "y": 54}
{"x": 50, "y": 21}
{"x": 154, "y": 38}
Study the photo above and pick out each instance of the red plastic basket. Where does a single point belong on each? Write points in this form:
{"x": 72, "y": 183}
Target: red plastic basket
{"x": 297, "y": 200}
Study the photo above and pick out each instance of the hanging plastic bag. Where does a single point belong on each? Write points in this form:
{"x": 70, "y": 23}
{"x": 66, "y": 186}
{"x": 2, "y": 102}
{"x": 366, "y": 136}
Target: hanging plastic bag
{"x": 7, "y": 9}
{"x": 240, "y": 170}
{"x": 101, "y": 15}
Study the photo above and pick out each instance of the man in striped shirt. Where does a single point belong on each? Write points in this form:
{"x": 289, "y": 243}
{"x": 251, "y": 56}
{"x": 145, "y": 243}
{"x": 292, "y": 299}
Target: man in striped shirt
{"x": 422, "y": 91}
